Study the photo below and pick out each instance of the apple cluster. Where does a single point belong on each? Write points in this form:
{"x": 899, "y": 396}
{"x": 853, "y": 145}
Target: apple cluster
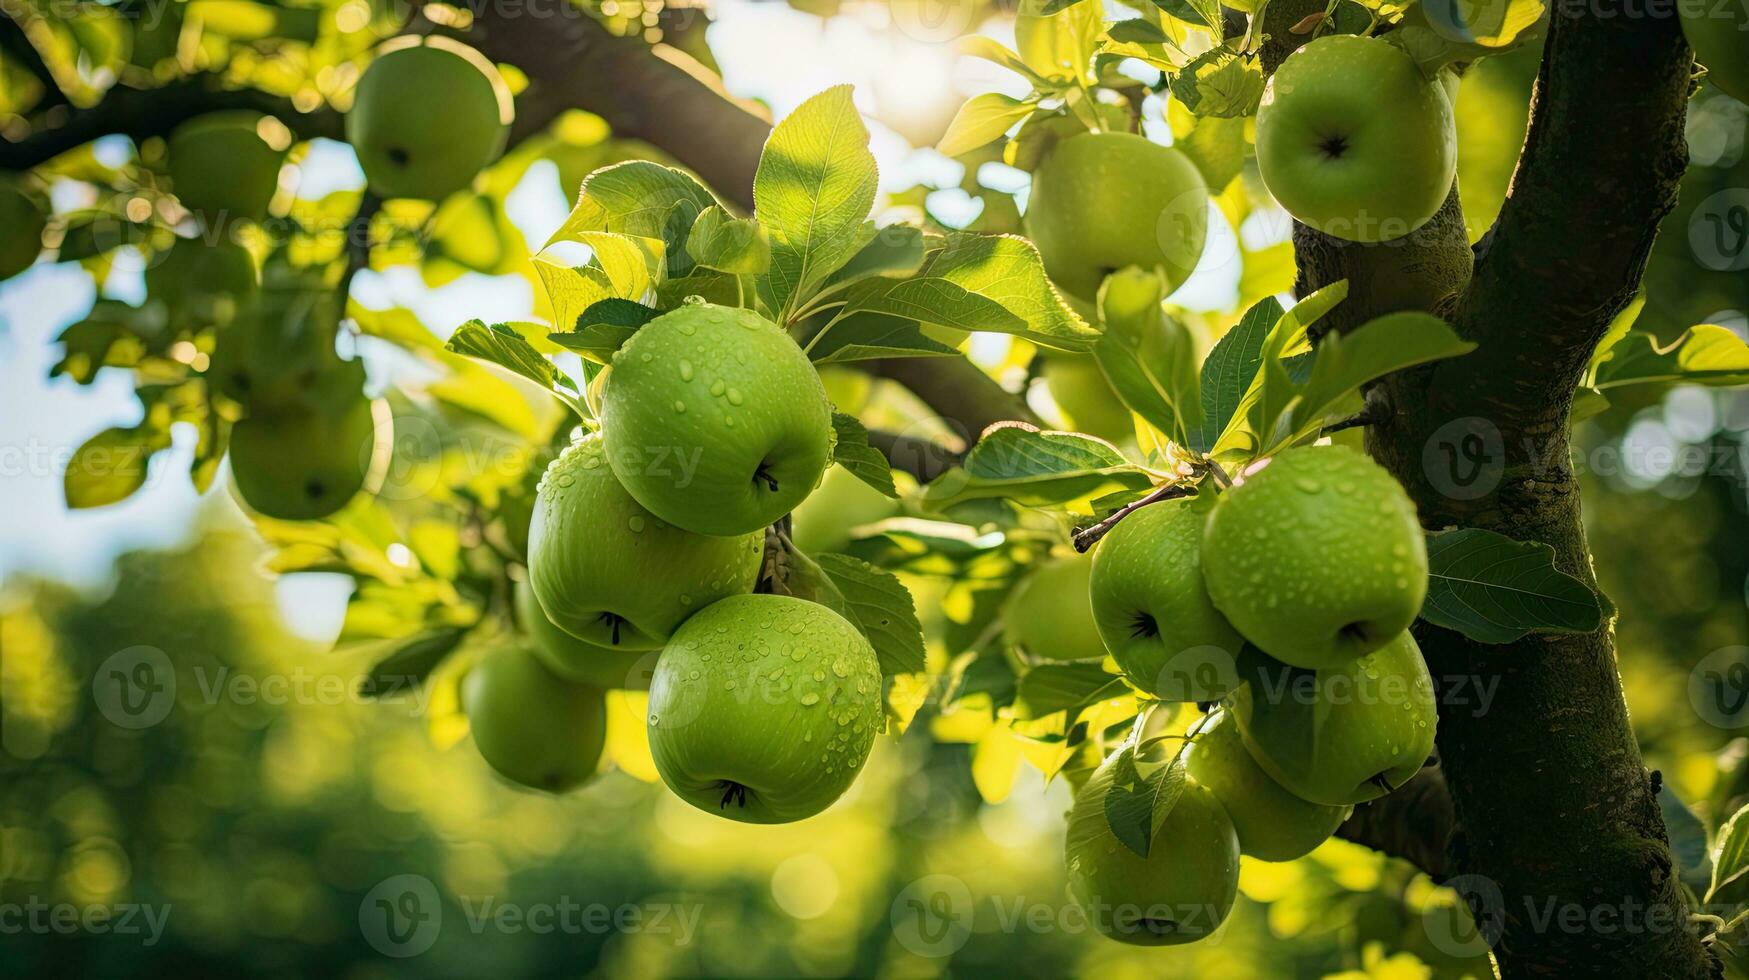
{"x": 1285, "y": 601}
{"x": 645, "y": 547}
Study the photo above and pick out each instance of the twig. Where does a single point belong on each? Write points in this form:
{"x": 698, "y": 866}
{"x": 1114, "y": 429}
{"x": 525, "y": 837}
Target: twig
{"x": 358, "y": 242}
{"x": 1365, "y": 416}
{"x": 1086, "y": 537}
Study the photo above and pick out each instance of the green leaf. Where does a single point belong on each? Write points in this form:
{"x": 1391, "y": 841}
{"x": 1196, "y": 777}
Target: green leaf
{"x": 852, "y": 451}
{"x": 893, "y": 252}
{"x": 635, "y": 198}
{"x": 1049, "y": 688}
{"x": 981, "y": 119}
{"x": 1136, "y": 30}
{"x": 1036, "y": 469}
{"x": 1059, "y": 44}
{"x": 1343, "y": 363}
{"x": 1494, "y": 589}
{"x": 981, "y": 282}
{"x": 1272, "y": 388}
{"x": 1703, "y": 355}
{"x": 1730, "y": 877}
{"x": 503, "y": 346}
{"x": 991, "y": 50}
{"x": 1229, "y": 369}
{"x": 1139, "y": 801}
{"x": 604, "y": 327}
{"x": 813, "y": 191}
{"x": 111, "y": 465}
{"x": 737, "y": 245}
{"x": 1437, "y": 33}
{"x": 1221, "y": 83}
{"x": 1183, "y": 11}
{"x": 1148, "y": 356}
{"x": 865, "y": 336}
{"x": 410, "y": 664}
{"x": 1688, "y": 844}
{"x": 882, "y": 608}
{"x": 1217, "y": 146}
{"x": 571, "y": 290}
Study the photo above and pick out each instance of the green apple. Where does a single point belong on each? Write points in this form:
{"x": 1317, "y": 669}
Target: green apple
{"x": 223, "y": 168}
{"x": 1342, "y": 735}
{"x": 1153, "y": 611}
{"x": 714, "y": 419}
{"x": 428, "y": 115}
{"x": 534, "y": 727}
{"x": 207, "y": 281}
{"x": 1272, "y": 823}
{"x": 277, "y": 354}
{"x": 1719, "y": 34}
{"x": 22, "y": 220}
{"x": 1180, "y": 893}
{"x": 608, "y": 571}
{"x": 764, "y": 708}
{"x": 303, "y": 465}
{"x": 579, "y": 661}
{"x": 1050, "y": 613}
{"x": 1104, "y": 201}
{"x": 823, "y": 522}
{"x": 1353, "y": 140}
{"x": 1317, "y": 556}
{"x": 1079, "y": 388}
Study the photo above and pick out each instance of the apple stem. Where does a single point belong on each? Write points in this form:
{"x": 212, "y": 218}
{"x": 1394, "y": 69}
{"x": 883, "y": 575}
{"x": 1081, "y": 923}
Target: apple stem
{"x": 762, "y": 476}
{"x": 1086, "y": 537}
{"x": 1355, "y": 421}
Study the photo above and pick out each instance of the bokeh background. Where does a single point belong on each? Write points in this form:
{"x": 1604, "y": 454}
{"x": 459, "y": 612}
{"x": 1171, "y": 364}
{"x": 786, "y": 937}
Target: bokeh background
{"x": 246, "y": 829}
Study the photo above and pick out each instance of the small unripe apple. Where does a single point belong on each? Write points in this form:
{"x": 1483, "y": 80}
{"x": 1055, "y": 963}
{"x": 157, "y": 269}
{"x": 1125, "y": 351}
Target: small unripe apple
{"x": 1272, "y": 823}
{"x": 1719, "y": 34}
{"x": 1345, "y": 734}
{"x": 428, "y": 115}
{"x": 1050, "y": 613}
{"x": 842, "y": 503}
{"x": 1103, "y": 201}
{"x": 1153, "y": 611}
{"x": 277, "y": 354}
{"x": 1180, "y": 893}
{"x": 223, "y": 168}
{"x": 764, "y": 708}
{"x": 714, "y": 420}
{"x": 579, "y": 661}
{"x": 1353, "y": 140}
{"x": 1080, "y": 389}
{"x": 306, "y": 464}
{"x": 608, "y": 571}
{"x": 209, "y": 282}
{"x": 1317, "y": 557}
{"x": 532, "y": 726}
{"x": 22, "y": 221}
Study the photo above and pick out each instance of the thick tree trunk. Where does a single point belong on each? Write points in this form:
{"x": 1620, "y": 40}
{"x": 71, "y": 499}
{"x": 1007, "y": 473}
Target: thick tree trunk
{"x": 1558, "y": 835}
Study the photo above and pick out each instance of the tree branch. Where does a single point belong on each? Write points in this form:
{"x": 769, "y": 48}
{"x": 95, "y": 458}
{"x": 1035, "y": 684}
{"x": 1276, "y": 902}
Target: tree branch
{"x": 1601, "y": 162}
{"x": 1414, "y": 823}
{"x": 144, "y": 113}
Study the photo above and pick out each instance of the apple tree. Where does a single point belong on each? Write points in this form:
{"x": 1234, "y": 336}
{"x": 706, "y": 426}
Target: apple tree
{"x": 749, "y": 496}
